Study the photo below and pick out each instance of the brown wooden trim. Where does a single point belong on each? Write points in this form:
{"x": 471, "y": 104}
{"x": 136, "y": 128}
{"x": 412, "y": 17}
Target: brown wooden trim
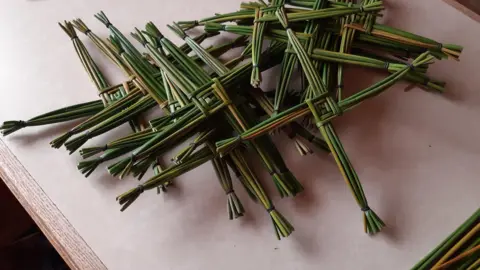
{"x": 468, "y": 9}
{"x": 63, "y": 236}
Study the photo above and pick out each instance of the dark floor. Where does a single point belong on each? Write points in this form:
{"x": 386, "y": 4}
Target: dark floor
{"x": 22, "y": 244}
{"x": 471, "y": 4}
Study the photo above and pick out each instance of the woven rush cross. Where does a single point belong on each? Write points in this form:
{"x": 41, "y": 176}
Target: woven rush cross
{"x": 372, "y": 223}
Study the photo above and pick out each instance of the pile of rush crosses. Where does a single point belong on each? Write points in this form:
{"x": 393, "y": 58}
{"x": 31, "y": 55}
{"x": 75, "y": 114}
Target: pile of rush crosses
{"x": 218, "y": 105}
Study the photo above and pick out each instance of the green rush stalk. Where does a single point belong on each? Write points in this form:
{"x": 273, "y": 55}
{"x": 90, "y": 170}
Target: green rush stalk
{"x": 64, "y": 114}
{"x": 463, "y": 239}
{"x": 289, "y": 62}
{"x": 127, "y": 45}
{"x": 324, "y": 13}
{"x": 110, "y": 52}
{"x": 257, "y": 44}
{"x": 129, "y": 143}
{"x": 406, "y": 38}
{"x": 137, "y": 139}
{"x": 282, "y": 227}
{"x": 133, "y": 96}
{"x": 234, "y": 206}
{"x": 346, "y": 39}
{"x": 272, "y": 34}
{"x": 107, "y": 50}
{"x": 125, "y": 147}
{"x": 94, "y": 72}
{"x": 197, "y": 159}
{"x": 417, "y": 76}
{"x": 244, "y": 16}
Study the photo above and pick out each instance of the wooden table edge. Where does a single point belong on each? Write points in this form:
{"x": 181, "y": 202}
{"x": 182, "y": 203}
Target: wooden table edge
{"x": 63, "y": 236}
{"x": 465, "y": 10}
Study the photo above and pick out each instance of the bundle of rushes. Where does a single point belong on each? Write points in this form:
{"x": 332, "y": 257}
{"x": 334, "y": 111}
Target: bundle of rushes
{"x": 460, "y": 251}
{"x": 218, "y": 106}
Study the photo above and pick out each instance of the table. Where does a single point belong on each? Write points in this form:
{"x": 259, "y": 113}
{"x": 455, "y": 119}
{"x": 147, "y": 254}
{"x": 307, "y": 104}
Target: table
{"x": 470, "y": 8}
{"x": 416, "y": 153}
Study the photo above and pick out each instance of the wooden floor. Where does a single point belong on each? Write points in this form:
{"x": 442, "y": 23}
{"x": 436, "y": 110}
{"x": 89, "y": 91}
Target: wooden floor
{"x": 22, "y": 244}
{"x": 471, "y": 8}
{"x": 471, "y": 4}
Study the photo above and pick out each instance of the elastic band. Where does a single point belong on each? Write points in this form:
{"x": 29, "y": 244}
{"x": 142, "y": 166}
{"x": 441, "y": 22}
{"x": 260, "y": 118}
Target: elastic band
{"x": 426, "y": 81}
{"x": 108, "y": 24}
{"x": 74, "y": 37}
{"x": 229, "y": 191}
{"x": 140, "y": 188}
{"x": 411, "y": 66}
{"x": 22, "y": 123}
{"x": 272, "y": 173}
{"x": 340, "y": 86}
{"x": 105, "y": 147}
{"x": 439, "y": 46}
{"x": 386, "y": 65}
{"x": 272, "y": 208}
{"x": 88, "y": 31}
{"x": 365, "y": 209}
{"x": 255, "y": 65}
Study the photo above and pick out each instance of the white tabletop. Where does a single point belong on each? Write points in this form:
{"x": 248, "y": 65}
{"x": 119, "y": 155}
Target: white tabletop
{"x": 417, "y": 154}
